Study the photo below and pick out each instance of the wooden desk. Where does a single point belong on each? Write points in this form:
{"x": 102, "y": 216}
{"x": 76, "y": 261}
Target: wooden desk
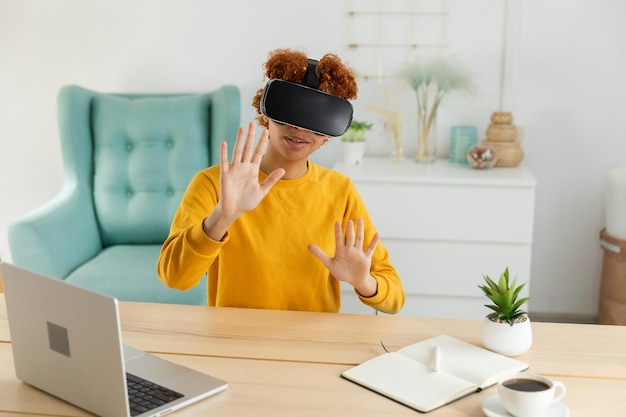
{"x": 289, "y": 363}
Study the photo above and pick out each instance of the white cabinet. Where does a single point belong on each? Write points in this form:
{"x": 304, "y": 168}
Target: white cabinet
{"x": 445, "y": 226}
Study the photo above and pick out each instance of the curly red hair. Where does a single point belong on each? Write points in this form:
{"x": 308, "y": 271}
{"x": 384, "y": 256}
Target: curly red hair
{"x": 335, "y": 77}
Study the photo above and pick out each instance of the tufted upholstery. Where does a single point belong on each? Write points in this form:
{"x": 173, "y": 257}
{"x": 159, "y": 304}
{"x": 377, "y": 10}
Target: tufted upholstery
{"x": 145, "y": 152}
{"x": 127, "y": 160}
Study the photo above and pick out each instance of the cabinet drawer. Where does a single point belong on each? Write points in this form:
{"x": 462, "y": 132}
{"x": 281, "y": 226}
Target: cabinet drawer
{"x": 445, "y": 307}
{"x": 441, "y": 279}
{"x": 450, "y": 212}
{"x": 423, "y": 306}
{"x": 453, "y": 268}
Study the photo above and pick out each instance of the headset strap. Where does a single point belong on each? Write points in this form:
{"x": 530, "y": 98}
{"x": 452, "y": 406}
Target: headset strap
{"x": 311, "y": 77}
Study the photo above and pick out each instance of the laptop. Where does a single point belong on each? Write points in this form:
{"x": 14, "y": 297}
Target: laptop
{"x": 67, "y": 342}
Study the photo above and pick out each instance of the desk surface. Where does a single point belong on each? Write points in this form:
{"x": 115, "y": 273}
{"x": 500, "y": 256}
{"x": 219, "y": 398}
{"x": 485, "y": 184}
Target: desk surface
{"x": 289, "y": 363}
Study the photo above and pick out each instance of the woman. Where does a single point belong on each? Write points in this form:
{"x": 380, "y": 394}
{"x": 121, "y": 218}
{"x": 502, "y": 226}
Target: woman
{"x": 274, "y": 230}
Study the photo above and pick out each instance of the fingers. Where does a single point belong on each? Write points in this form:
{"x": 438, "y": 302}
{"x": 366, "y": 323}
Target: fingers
{"x": 260, "y": 147}
{"x": 272, "y": 179}
{"x": 248, "y": 149}
{"x": 321, "y": 255}
{"x": 360, "y": 233}
{"x": 223, "y": 157}
{"x": 244, "y": 150}
{"x": 354, "y": 238}
{"x": 372, "y": 246}
{"x": 350, "y": 236}
{"x": 351, "y": 262}
{"x": 339, "y": 239}
{"x": 239, "y": 143}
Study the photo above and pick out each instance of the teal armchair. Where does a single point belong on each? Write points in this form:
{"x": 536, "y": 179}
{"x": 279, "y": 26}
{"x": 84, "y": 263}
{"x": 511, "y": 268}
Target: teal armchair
{"x": 127, "y": 161}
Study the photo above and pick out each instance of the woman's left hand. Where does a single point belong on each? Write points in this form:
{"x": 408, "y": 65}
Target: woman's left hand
{"x": 351, "y": 263}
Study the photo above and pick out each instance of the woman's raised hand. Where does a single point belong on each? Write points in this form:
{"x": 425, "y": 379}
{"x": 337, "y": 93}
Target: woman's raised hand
{"x": 351, "y": 262}
{"x": 239, "y": 181}
{"x": 240, "y": 190}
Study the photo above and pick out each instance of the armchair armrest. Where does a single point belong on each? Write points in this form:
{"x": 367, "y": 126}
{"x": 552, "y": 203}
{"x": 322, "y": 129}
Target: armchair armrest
{"x": 57, "y": 237}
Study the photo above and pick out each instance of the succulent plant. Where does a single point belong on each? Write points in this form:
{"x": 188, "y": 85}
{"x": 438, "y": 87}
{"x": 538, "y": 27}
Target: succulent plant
{"x": 504, "y": 295}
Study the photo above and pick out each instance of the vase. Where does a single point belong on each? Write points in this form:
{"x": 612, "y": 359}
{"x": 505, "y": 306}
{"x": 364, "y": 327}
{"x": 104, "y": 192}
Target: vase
{"x": 462, "y": 139}
{"x": 506, "y": 339}
{"x": 426, "y": 140}
{"x": 398, "y": 152}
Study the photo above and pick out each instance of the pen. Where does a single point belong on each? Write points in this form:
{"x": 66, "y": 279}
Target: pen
{"x": 435, "y": 358}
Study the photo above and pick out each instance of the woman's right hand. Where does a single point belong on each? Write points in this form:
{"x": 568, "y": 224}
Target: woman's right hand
{"x": 240, "y": 190}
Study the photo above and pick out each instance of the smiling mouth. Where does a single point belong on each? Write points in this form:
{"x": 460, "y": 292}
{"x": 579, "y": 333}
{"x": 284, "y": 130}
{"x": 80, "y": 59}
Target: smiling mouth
{"x": 296, "y": 140}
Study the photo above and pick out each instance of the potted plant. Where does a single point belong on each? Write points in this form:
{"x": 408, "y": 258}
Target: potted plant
{"x": 506, "y": 330}
{"x": 354, "y": 141}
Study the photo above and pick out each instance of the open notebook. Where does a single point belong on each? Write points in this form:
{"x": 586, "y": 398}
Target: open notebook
{"x": 429, "y": 374}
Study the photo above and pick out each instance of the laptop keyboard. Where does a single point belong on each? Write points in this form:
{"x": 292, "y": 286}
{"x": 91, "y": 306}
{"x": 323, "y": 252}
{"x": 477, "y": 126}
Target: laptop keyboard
{"x": 144, "y": 395}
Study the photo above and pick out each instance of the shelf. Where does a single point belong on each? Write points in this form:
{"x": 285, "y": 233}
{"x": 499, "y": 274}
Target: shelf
{"x": 382, "y": 169}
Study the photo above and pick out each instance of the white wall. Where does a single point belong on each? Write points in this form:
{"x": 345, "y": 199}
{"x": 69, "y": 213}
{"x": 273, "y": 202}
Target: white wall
{"x": 568, "y": 92}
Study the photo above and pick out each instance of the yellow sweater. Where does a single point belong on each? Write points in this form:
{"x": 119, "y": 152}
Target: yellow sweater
{"x": 263, "y": 261}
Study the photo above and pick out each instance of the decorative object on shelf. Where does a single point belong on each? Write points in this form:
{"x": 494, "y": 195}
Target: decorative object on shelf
{"x": 481, "y": 157}
{"x": 432, "y": 81}
{"x": 504, "y": 138}
{"x": 462, "y": 139}
{"x": 507, "y": 329}
{"x": 392, "y": 123}
{"x": 501, "y": 117}
{"x": 353, "y": 142}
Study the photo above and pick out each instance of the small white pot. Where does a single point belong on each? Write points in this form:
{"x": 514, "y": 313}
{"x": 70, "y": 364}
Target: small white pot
{"x": 353, "y": 152}
{"x": 506, "y": 339}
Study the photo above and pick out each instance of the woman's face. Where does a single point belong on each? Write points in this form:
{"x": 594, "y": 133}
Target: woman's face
{"x": 293, "y": 143}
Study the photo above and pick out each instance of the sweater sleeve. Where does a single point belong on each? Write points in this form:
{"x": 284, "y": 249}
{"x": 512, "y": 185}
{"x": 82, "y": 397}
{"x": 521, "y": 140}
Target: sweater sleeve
{"x": 390, "y": 296}
{"x": 188, "y": 252}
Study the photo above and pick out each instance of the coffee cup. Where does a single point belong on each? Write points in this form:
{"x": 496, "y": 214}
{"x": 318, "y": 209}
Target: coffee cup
{"x": 528, "y": 395}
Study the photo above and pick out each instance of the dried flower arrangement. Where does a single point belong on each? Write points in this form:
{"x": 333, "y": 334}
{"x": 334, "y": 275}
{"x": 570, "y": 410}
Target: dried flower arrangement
{"x": 392, "y": 122}
{"x": 432, "y": 81}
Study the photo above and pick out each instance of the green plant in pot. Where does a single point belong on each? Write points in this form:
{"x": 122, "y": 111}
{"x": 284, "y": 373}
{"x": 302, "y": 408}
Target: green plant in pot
{"x": 506, "y": 329}
{"x": 354, "y": 141}
{"x": 356, "y": 131}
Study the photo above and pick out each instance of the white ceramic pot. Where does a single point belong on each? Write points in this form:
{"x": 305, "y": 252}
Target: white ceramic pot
{"x": 353, "y": 152}
{"x": 506, "y": 339}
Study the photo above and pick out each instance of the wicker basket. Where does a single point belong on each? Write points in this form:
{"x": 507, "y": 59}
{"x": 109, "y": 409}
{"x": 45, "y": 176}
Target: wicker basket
{"x": 501, "y": 132}
{"x": 508, "y": 154}
{"x": 502, "y": 117}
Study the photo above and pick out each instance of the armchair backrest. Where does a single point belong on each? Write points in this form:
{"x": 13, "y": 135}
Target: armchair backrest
{"x": 136, "y": 153}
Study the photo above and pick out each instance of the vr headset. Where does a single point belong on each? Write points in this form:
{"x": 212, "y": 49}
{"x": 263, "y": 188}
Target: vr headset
{"x": 306, "y": 107}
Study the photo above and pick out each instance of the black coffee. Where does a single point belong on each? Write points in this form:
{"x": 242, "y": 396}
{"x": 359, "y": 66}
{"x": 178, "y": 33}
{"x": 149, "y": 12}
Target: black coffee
{"x": 522, "y": 384}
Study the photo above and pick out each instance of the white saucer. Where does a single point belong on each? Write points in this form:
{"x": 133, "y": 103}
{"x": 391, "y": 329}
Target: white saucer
{"x": 493, "y": 408}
